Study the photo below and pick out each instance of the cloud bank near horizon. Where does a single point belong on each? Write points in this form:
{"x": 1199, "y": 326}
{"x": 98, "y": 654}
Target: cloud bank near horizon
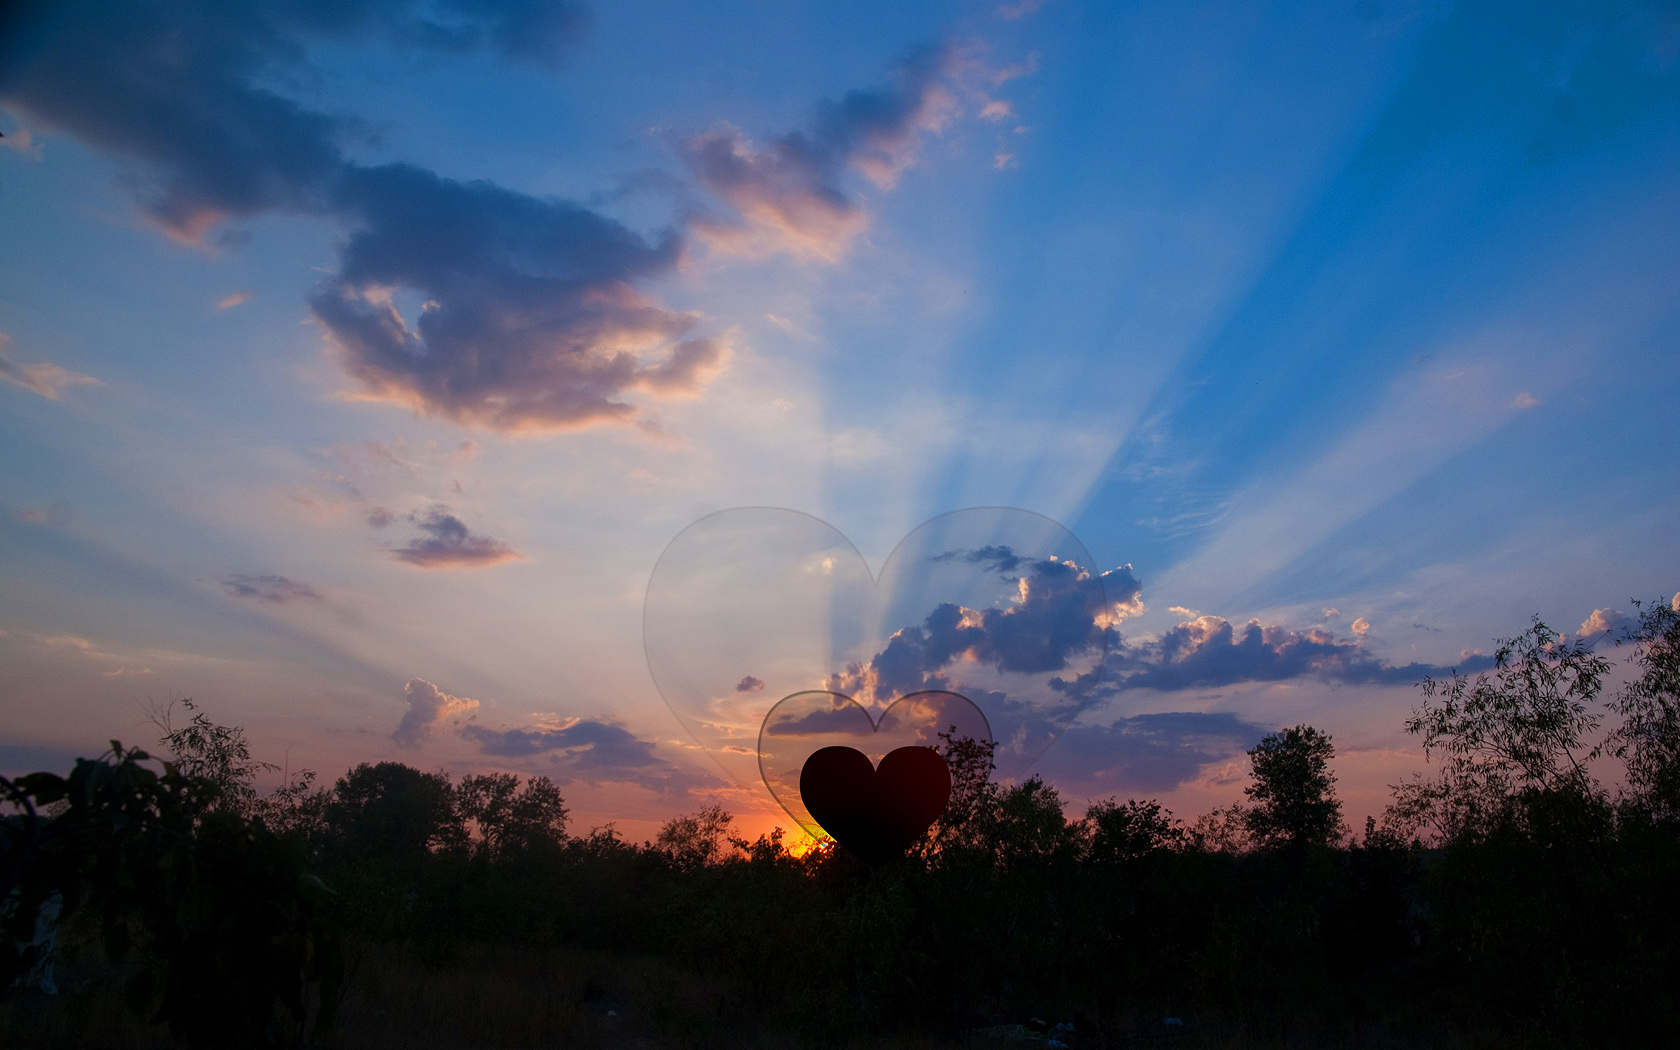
{"x": 1058, "y": 614}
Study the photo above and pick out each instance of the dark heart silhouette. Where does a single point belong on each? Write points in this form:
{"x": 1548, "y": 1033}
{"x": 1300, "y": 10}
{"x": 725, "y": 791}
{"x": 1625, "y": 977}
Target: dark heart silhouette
{"x": 875, "y": 813}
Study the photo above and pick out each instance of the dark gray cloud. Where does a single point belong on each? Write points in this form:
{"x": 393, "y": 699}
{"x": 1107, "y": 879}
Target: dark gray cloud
{"x": 19, "y": 759}
{"x": 842, "y": 719}
{"x": 789, "y": 194}
{"x": 448, "y": 543}
{"x": 547, "y": 285}
{"x": 1210, "y": 652}
{"x": 587, "y": 750}
{"x": 532, "y": 320}
{"x": 1062, "y": 611}
{"x": 749, "y": 684}
{"x": 277, "y": 589}
{"x": 1146, "y": 754}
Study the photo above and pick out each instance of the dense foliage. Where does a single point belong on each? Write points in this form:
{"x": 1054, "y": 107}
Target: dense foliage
{"x": 1510, "y": 897}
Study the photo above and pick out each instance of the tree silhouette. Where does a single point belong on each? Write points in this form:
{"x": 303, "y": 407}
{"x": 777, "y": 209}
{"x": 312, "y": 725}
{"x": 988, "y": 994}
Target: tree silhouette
{"x": 215, "y": 920}
{"x": 695, "y": 840}
{"x": 1649, "y": 738}
{"x": 1513, "y": 739}
{"x": 394, "y": 812}
{"x": 510, "y": 818}
{"x": 1293, "y": 794}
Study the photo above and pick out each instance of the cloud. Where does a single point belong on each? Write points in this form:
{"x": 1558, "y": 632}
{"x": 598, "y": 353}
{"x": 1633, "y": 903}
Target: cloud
{"x": 57, "y": 513}
{"x": 1524, "y": 400}
{"x": 448, "y": 543}
{"x": 42, "y": 377}
{"x": 1020, "y": 9}
{"x": 1060, "y": 614}
{"x": 1146, "y": 753}
{"x": 532, "y": 319}
{"x": 1606, "y": 621}
{"x": 427, "y": 706}
{"x": 840, "y": 719}
{"x": 749, "y": 684}
{"x": 277, "y": 589}
{"x": 21, "y": 140}
{"x": 587, "y": 750}
{"x": 1060, "y": 611}
{"x": 1209, "y": 652}
{"x": 231, "y": 301}
{"x": 789, "y": 194}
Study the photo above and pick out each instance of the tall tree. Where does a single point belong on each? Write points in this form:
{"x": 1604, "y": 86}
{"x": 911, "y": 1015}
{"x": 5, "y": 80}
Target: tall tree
{"x": 510, "y": 818}
{"x": 1513, "y": 739}
{"x": 395, "y": 812}
{"x": 1648, "y": 740}
{"x": 1293, "y": 794}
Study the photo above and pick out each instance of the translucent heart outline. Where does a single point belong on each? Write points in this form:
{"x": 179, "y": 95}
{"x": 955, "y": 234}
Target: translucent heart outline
{"x": 952, "y": 708}
{"x": 788, "y": 532}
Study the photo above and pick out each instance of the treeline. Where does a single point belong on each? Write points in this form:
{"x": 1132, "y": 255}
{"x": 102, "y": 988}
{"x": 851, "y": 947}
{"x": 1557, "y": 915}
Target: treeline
{"x": 1511, "y": 897}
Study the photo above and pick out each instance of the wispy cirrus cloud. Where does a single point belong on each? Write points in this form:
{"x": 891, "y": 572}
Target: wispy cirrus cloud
{"x": 42, "y": 377}
{"x": 269, "y": 588}
{"x": 447, "y": 543}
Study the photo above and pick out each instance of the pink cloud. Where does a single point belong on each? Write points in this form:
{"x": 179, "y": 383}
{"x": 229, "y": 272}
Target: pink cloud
{"x": 43, "y": 377}
{"x": 788, "y": 194}
{"x": 427, "y": 706}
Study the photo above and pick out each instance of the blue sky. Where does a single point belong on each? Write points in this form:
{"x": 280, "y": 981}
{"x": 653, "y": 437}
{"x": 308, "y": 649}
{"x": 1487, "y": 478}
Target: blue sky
{"x": 1355, "y": 320}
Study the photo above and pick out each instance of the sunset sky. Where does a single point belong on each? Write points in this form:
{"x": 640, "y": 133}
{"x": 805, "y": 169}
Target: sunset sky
{"x": 360, "y": 359}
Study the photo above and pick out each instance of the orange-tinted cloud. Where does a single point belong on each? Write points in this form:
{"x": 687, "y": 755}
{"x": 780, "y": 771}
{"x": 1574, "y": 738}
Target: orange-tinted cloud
{"x": 788, "y": 193}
